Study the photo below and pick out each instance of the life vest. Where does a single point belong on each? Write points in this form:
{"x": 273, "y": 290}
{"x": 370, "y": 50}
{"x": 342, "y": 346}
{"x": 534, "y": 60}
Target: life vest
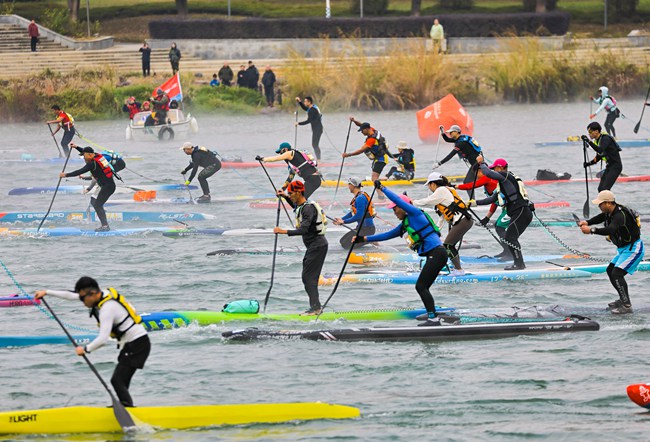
{"x": 379, "y": 149}
{"x": 321, "y": 226}
{"x": 67, "y": 121}
{"x": 113, "y": 295}
{"x": 104, "y": 165}
{"x": 597, "y": 143}
{"x": 472, "y": 142}
{"x": 371, "y": 208}
{"x": 162, "y": 107}
{"x": 448, "y": 212}
{"x": 416, "y": 238}
{"x": 630, "y": 232}
{"x": 133, "y": 109}
{"x": 610, "y": 108}
{"x": 111, "y": 156}
{"x": 306, "y": 159}
{"x": 514, "y": 201}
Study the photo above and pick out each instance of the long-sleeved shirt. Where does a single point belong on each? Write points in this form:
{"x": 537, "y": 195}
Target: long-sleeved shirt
{"x": 488, "y": 183}
{"x": 200, "y": 158}
{"x": 417, "y": 219}
{"x": 360, "y": 203}
{"x": 506, "y": 186}
{"x": 462, "y": 148}
{"x": 307, "y": 229}
{"x": 314, "y": 117}
{"x": 95, "y": 170}
{"x": 617, "y": 226}
{"x": 437, "y": 32}
{"x": 607, "y": 149}
{"x": 110, "y": 315}
{"x": 32, "y": 30}
{"x": 441, "y": 195}
{"x": 605, "y": 103}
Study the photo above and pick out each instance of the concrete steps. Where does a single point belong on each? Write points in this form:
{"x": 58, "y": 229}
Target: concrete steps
{"x": 13, "y": 38}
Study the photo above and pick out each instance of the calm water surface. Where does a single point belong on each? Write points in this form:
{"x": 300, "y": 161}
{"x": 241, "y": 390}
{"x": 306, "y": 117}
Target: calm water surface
{"x": 557, "y": 387}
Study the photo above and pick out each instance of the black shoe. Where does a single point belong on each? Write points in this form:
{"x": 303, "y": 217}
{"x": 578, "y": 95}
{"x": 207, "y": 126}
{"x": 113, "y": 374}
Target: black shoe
{"x": 204, "y": 199}
{"x": 615, "y": 304}
{"x": 448, "y": 319}
{"x": 102, "y": 229}
{"x": 503, "y": 256}
{"x": 515, "y": 267}
{"x": 312, "y": 312}
{"x": 431, "y": 322}
{"x": 622, "y": 309}
{"x": 422, "y": 317}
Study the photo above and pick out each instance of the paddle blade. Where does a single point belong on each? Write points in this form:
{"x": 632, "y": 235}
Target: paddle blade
{"x": 123, "y": 417}
{"x": 639, "y": 394}
{"x": 576, "y": 219}
{"x": 636, "y": 128}
{"x": 585, "y": 209}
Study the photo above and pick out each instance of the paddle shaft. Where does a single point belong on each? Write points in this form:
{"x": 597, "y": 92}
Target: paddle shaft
{"x": 338, "y": 180}
{"x": 123, "y": 417}
{"x": 345, "y": 263}
{"x": 295, "y": 135}
{"x": 142, "y": 176}
{"x": 333, "y": 219}
{"x": 585, "y": 208}
{"x": 638, "y": 125}
{"x": 438, "y": 146}
{"x": 499, "y": 240}
{"x": 275, "y": 189}
{"x": 275, "y": 250}
{"x": 55, "y": 191}
{"x": 57, "y": 144}
{"x": 188, "y": 189}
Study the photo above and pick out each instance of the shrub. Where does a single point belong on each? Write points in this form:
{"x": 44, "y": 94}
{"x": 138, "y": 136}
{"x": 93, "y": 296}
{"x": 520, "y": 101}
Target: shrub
{"x": 370, "y": 7}
{"x": 456, "y": 4}
{"x": 530, "y": 5}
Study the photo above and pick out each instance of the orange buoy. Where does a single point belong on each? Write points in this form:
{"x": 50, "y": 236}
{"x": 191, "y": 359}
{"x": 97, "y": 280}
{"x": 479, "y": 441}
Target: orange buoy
{"x": 446, "y": 112}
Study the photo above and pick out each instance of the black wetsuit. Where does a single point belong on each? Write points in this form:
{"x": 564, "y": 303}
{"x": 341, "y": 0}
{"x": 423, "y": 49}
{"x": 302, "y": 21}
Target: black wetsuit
{"x": 314, "y": 118}
{"x": 107, "y": 185}
{"x": 208, "y": 160}
{"x": 517, "y": 207}
{"x": 312, "y": 262}
{"x": 406, "y": 159}
{"x": 607, "y": 149}
{"x": 466, "y": 151}
{"x": 307, "y": 172}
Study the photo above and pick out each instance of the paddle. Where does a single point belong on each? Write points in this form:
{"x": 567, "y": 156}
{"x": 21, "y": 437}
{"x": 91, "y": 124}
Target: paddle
{"x": 59, "y": 149}
{"x": 438, "y": 146}
{"x": 638, "y": 125}
{"x": 275, "y": 249}
{"x": 275, "y": 189}
{"x": 345, "y": 262}
{"x": 188, "y": 190}
{"x": 342, "y": 225}
{"x": 585, "y": 208}
{"x": 142, "y": 176}
{"x": 295, "y": 136}
{"x": 576, "y": 219}
{"x": 338, "y": 180}
{"x": 499, "y": 240}
{"x": 123, "y": 417}
{"x": 55, "y": 191}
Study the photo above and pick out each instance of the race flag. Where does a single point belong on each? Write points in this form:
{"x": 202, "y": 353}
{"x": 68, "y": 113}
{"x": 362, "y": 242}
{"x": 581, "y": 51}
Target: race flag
{"x": 172, "y": 88}
{"x": 446, "y": 112}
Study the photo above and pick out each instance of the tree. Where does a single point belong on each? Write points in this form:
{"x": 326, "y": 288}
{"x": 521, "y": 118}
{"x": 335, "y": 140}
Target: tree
{"x": 181, "y": 7}
{"x": 73, "y": 8}
{"x": 541, "y": 6}
{"x": 415, "y": 7}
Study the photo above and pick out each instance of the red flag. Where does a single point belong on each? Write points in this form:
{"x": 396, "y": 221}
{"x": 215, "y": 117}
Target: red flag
{"x": 172, "y": 88}
{"x": 446, "y": 112}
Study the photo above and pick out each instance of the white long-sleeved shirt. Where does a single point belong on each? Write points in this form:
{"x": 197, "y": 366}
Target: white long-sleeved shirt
{"x": 605, "y": 103}
{"x": 111, "y": 314}
{"x": 441, "y": 195}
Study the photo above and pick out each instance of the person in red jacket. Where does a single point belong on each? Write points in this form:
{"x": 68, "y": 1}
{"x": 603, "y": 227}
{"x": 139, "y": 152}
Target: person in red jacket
{"x": 131, "y": 106}
{"x": 32, "y": 30}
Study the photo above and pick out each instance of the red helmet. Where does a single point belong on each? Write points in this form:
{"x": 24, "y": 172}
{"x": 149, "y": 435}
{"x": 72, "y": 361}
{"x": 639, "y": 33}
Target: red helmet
{"x": 296, "y": 186}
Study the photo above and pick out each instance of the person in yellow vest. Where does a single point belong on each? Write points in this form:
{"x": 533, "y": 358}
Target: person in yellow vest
{"x": 437, "y": 35}
{"x": 358, "y": 206}
{"x": 116, "y": 318}
{"x": 453, "y": 211}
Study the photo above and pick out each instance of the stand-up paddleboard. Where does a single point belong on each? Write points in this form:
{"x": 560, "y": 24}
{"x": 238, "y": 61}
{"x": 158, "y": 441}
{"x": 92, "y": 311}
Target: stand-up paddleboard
{"x": 253, "y": 164}
{"x": 26, "y": 341}
{"x": 621, "y": 179}
{"x": 387, "y": 258}
{"x": 17, "y": 301}
{"x": 71, "y": 420}
{"x": 418, "y": 333}
{"x": 383, "y": 277}
{"x": 222, "y": 199}
{"x": 577, "y": 142}
{"x": 72, "y": 231}
{"x": 639, "y": 394}
{"x": 644, "y": 266}
{"x": 453, "y": 179}
{"x": 29, "y": 159}
{"x": 27, "y": 217}
{"x": 177, "y": 233}
{"x": 80, "y": 189}
{"x": 257, "y": 252}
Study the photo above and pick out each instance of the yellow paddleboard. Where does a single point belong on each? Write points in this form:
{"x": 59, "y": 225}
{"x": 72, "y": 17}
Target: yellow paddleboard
{"x": 452, "y": 179}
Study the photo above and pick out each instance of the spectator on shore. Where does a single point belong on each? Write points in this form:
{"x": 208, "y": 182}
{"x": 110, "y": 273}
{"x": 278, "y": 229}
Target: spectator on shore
{"x": 146, "y": 59}
{"x": 252, "y": 76}
{"x": 226, "y": 74}
{"x": 174, "y": 57}
{"x": 268, "y": 81}
{"x": 215, "y": 81}
{"x": 32, "y": 30}
{"x": 437, "y": 36}
{"x": 241, "y": 76}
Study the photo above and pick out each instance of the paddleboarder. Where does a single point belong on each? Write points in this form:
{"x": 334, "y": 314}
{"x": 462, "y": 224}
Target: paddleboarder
{"x": 315, "y": 119}
{"x": 452, "y": 211}
{"x": 102, "y": 172}
{"x": 375, "y": 148}
{"x": 311, "y": 224}
{"x": 510, "y": 194}
{"x": 63, "y": 121}
{"x": 608, "y": 103}
{"x": 299, "y": 163}
{"x": 360, "y": 201}
{"x": 607, "y": 149}
{"x": 201, "y": 157}
{"x": 405, "y": 169}
{"x": 424, "y": 238}
{"x": 622, "y": 227}
{"x": 466, "y": 147}
{"x": 116, "y": 318}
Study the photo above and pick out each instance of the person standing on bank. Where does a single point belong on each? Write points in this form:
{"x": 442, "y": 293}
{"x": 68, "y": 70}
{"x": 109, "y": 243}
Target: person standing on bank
{"x": 424, "y": 238}
{"x": 103, "y": 173}
{"x": 623, "y": 229}
{"x": 64, "y": 121}
{"x": 146, "y": 59}
{"x": 311, "y": 224}
{"x": 203, "y": 157}
{"x": 315, "y": 118}
{"x": 252, "y": 76}
{"x": 437, "y": 35}
{"x": 32, "y": 31}
{"x": 608, "y": 150}
{"x": 268, "y": 81}
{"x": 116, "y": 318}
{"x": 225, "y": 74}
{"x": 465, "y": 147}
{"x": 299, "y": 163}
{"x": 174, "y": 58}
{"x": 241, "y": 76}
{"x": 358, "y": 206}
{"x": 608, "y": 103}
